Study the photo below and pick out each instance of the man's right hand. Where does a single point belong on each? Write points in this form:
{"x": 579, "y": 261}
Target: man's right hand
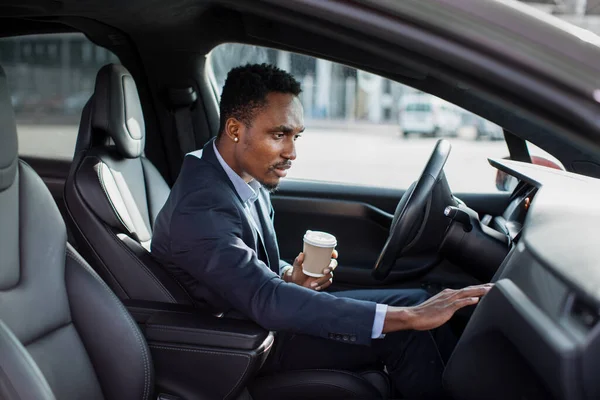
{"x": 435, "y": 311}
{"x": 295, "y": 275}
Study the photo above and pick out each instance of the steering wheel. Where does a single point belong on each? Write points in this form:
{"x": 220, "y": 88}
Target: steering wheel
{"x": 409, "y": 212}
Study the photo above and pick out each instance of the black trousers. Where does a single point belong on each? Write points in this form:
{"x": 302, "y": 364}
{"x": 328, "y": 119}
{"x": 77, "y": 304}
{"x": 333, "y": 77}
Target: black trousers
{"x": 414, "y": 360}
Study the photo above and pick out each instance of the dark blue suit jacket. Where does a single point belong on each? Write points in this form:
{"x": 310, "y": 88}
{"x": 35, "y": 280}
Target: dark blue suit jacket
{"x": 205, "y": 238}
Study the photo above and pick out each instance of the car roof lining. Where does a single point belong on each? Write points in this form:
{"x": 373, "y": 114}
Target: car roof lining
{"x": 316, "y": 38}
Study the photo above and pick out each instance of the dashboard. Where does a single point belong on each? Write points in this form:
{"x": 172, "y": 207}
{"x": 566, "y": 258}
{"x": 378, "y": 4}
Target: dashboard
{"x": 536, "y": 334}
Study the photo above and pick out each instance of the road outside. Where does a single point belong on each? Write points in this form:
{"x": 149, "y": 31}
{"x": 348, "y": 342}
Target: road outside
{"x": 364, "y": 154}
{"x": 377, "y": 155}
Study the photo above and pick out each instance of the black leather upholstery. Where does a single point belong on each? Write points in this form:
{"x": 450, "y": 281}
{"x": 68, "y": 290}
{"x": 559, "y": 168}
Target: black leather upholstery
{"x": 113, "y": 193}
{"x": 198, "y": 355}
{"x": 322, "y": 384}
{"x": 203, "y": 330}
{"x": 72, "y": 326}
{"x": 20, "y": 377}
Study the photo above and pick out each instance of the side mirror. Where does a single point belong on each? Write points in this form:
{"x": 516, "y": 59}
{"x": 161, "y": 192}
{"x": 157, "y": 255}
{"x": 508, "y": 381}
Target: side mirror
{"x": 507, "y": 183}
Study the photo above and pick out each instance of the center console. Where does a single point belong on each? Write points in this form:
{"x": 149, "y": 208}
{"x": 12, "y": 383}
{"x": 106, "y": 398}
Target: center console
{"x": 198, "y": 355}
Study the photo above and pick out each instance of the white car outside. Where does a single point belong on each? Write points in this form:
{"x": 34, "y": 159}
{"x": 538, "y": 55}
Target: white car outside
{"x": 428, "y": 115}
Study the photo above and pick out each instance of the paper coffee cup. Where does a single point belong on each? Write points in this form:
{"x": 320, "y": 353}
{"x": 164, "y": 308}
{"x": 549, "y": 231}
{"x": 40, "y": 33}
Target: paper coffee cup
{"x": 318, "y": 247}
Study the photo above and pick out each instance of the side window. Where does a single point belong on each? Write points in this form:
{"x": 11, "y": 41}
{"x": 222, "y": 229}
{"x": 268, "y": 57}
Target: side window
{"x": 376, "y": 132}
{"x": 50, "y": 78}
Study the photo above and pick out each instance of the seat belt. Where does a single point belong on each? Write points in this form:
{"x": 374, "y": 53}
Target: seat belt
{"x": 182, "y": 101}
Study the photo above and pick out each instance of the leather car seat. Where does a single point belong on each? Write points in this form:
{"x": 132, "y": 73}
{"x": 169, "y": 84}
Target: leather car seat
{"x": 70, "y": 323}
{"x": 113, "y": 194}
{"x": 20, "y": 377}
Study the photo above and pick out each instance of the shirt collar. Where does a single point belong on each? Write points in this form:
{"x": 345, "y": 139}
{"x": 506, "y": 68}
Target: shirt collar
{"x": 248, "y": 192}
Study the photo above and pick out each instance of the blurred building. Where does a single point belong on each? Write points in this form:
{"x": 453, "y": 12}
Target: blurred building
{"x": 51, "y": 74}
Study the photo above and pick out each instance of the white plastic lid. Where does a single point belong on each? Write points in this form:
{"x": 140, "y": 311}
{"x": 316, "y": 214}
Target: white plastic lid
{"x": 320, "y": 239}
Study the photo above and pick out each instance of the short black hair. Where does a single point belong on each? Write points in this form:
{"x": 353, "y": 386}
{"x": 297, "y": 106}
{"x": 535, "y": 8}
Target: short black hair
{"x": 246, "y": 89}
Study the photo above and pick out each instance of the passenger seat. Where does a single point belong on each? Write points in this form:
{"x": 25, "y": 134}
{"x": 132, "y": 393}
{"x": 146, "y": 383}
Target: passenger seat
{"x": 20, "y": 377}
{"x": 68, "y": 323}
{"x": 113, "y": 193}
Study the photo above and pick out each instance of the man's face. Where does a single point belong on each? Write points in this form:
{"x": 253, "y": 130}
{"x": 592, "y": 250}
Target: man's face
{"x": 267, "y": 147}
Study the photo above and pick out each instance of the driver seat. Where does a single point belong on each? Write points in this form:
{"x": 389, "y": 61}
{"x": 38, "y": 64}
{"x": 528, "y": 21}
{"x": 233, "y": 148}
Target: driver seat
{"x": 113, "y": 193}
{"x": 108, "y": 166}
{"x": 68, "y": 323}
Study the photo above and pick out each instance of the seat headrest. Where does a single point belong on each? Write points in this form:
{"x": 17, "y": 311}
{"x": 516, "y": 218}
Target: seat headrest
{"x": 8, "y": 136}
{"x": 117, "y": 110}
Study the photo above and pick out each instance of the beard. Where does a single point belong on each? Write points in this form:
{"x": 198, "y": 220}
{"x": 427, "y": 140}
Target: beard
{"x": 270, "y": 187}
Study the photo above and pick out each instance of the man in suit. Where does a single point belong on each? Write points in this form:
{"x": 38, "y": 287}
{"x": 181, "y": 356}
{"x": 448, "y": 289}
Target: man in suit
{"x": 215, "y": 234}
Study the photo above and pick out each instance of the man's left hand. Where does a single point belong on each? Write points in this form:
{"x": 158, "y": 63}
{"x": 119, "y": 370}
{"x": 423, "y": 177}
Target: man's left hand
{"x": 295, "y": 275}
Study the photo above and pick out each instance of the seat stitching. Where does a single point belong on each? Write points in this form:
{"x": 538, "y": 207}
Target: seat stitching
{"x": 208, "y": 352}
{"x": 183, "y": 289}
{"x": 32, "y": 369}
{"x": 19, "y": 353}
{"x": 146, "y": 393}
{"x": 195, "y": 330}
{"x": 266, "y": 350}
{"x": 141, "y": 264}
{"x": 8, "y": 384}
{"x": 44, "y": 334}
{"x": 127, "y": 317}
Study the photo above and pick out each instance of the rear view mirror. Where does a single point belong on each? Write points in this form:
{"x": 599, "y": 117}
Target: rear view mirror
{"x": 507, "y": 183}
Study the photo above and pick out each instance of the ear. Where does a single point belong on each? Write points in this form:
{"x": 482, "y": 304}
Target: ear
{"x": 234, "y": 130}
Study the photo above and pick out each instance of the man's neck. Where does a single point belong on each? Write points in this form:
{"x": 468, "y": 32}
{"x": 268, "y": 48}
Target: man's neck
{"x": 227, "y": 150}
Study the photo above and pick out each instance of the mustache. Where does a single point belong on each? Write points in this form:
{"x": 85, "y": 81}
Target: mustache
{"x": 284, "y": 164}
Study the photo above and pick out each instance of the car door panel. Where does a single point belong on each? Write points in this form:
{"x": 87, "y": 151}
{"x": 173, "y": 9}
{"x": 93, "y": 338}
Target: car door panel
{"x": 360, "y": 217}
{"x": 360, "y": 229}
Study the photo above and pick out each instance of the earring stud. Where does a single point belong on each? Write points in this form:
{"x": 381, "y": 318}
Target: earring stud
{"x": 235, "y": 140}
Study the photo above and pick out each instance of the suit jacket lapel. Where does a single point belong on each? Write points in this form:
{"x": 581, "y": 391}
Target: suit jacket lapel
{"x": 269, "y": 239}
{"x": 260, "y": 241}
{"x": 208, "y": 153}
